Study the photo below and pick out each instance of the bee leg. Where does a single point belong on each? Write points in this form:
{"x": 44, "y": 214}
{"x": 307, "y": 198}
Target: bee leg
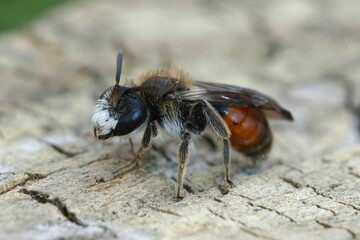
{"x": 222, "y": 130}
{"x": 150, "y": 131}
{"x": 183, "y": 157}
{"x": 132, "y": 147}
{"x": 227, "y": 162}
{"x": 215, "y": 120}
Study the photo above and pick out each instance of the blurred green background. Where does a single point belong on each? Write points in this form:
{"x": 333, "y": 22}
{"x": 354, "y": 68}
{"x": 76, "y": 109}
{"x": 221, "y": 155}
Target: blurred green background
{"x": 17, "y": 13}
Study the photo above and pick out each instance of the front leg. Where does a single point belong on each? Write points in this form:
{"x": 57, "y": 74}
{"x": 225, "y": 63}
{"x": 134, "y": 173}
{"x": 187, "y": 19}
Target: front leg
{"x": 183, "y": 157}
{"x": 150, "y": 131}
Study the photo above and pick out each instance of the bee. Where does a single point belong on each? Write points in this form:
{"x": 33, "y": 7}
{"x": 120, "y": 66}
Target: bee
{"x": 171, "y": 101}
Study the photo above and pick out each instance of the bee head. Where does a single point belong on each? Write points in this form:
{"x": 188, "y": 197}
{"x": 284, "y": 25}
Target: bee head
{"x": 118, "y": 111}
{"x": 117, "y": 114}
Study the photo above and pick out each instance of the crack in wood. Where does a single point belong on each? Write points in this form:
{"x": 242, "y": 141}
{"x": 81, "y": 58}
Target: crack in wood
{"x": 21, "y": 182}
{"x": 275, "y": 211}
{"x": 245, "y": 197}
{"x": 35, "y": 176}
{"x": 256, "y": 234}
{"x": 120, "y": 173}
{"x": 327, "y": 226}
{"x": 251, "y": 203}
{"x": 111, "y": 182}
{"x": 167, "y": 211}
{"x": 328, "y": 197}
{"x": 216, "y": 214}
{"x": 221, "y": 201}
{"x": 45, "y": 198}
{"x": 38, "y": 176}
{"x": 320, "y": 207}
{"x": 291, "y": 182}
{"x": 243, "y": 228}
{"x": 99, "y": 159}
{"x": 324, "y": 208}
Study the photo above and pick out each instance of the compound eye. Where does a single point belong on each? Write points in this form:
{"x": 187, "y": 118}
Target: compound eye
{"x": 134, "y": 116}
{"x": 130, "y": 122}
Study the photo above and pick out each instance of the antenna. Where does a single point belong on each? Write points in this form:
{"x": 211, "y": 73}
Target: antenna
{"x": 118, "y": 67}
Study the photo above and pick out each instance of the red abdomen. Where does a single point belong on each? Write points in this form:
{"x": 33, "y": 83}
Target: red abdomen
{"x": 250, "y": 131}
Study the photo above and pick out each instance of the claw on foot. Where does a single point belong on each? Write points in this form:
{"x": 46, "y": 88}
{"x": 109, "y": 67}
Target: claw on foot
{"x": 230, "y": 184}
{"x": 225, "y": 190}
{"x": 179, "y": 198}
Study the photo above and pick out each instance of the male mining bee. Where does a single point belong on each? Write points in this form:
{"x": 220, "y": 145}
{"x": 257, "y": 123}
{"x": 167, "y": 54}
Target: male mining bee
{"x": 170, "y": 100}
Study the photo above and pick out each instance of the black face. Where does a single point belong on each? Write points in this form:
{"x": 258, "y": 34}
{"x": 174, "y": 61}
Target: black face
{"x": 127, "y": 108}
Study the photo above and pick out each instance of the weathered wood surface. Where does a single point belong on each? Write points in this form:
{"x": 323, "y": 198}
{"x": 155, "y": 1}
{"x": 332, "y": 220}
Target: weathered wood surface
{"x": 58, "y": 182}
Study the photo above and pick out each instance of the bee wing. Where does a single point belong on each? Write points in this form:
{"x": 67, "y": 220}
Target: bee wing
{"x": 217, "y": 93}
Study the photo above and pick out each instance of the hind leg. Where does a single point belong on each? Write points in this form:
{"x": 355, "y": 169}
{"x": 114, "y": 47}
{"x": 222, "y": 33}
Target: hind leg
{"x": 226, "y": 154}
{"x": 183, "y": 157}
{"x": 222, "y": 130}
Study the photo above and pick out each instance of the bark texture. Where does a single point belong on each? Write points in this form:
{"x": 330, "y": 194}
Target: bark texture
{"x": 58, "y": 182}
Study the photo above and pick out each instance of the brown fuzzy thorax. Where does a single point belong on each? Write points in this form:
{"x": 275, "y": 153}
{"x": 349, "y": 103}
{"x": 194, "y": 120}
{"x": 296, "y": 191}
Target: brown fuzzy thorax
{"x": 158, "y": 84}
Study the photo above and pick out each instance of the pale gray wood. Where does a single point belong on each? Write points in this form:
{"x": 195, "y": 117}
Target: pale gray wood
{"x": 57, "y": 181}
